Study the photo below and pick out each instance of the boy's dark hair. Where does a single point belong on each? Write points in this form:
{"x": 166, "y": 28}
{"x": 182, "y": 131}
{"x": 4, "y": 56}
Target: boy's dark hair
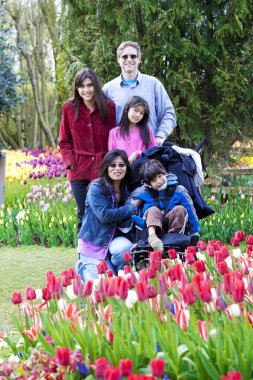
{"x": 150, "y": 170}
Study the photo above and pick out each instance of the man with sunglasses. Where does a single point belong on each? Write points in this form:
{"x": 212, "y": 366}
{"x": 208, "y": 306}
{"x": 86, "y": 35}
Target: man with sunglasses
{"x": 131, "y": 82}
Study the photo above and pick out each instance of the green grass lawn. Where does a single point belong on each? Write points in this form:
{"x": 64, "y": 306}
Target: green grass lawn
{"x": 25, "y": 267}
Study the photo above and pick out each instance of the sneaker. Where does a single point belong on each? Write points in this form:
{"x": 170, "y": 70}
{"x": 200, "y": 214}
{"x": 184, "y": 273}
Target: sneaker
{"x": 155, "y": 242}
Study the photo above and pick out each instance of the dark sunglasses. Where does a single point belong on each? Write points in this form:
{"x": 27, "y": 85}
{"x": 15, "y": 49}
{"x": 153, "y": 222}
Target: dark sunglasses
{"x": 132, "y": 56}
{"x": 113, "y": 166}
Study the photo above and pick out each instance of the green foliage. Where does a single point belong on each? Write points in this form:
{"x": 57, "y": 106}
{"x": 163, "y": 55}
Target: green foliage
{"x": 200, "y": 50}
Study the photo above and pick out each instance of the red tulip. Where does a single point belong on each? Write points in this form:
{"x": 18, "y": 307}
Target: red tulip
{"x": 175, "y": 273}
{"x": 172, "y": 253}
{"x": 141, "y": 291}
{"x": 202, "y": 245}
{"x": 143, "y": 276}
{"x": 210, "y": 251}
{"x": 16, "y": 298}
{"x": 155, "y": 255}
{"x": 190, "y": 256}
{"x": 63, "y": 355}
{"x": 110, "y": 273}
{"x": 102, "y": 267}
{"x": 127, "y": 257}
{"x": 127, "y": 269}
{"x": 232, "y": 376}
{"x": 227, "y": 282}
{"x": 125, "y": 367}
{"x": 223, "y": 267}
{"x": 202, "y": 329}
{"x": 220, "y": 256}
{"x": 100, "y": 366}
{"x": 203, "y": 287}
{"x": 99, "y": 297}
{"x": 156, "y": 264}
{"x": 188, "y": 294}
{"x": 157, "y": 367}
{"x": 151, "y": 272}
{"x": 249, "y": 250}
{"x": 151, "y": 291}
{"x": 30, "y": 294}
{"x": 249, "y": 239}
{"x": 238, "y": 290}
{"x": 239, "y": 235}
{"x": 112, "y": 373}
{"x": 200, "y": 266}
{"x": 123, "y": 290}
{"x": 141, "y": 377}
{"x": 87, "y": 288}
{"x": 78, "y": 286}
{"x": 162, "y": 284}
{"x": 235, "y": 242}
{"x": 46, "y": 294}
{"x": 65, "y": 281}
{"x": 69, "y": 273}
{"x": 117, "y": 282}
{"x": 225, "y": 251}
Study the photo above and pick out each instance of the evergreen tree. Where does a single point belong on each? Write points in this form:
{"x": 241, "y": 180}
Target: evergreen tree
{"x": 200, "y": 50}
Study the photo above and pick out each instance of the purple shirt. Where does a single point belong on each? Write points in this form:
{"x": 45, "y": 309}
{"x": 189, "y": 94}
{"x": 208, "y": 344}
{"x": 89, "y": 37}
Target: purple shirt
{"x": 131, "y": 143}
{"x": 87, "y": 248}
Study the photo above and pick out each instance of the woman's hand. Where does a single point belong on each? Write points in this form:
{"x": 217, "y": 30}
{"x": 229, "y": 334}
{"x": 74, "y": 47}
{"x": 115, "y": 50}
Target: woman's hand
{"x": 132, "y": 157}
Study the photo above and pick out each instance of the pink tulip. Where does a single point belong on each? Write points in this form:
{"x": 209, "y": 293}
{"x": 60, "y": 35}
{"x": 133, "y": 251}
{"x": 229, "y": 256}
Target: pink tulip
{"x": 157, "y": 367}
{"x": 30, "y": 294}
{"x": 202, "y": 245}
{"x": 16, "y": 298}
{"x": 249, "y": 239}
{"x": 183, "y": 318}
{"x": 202, "y": 329}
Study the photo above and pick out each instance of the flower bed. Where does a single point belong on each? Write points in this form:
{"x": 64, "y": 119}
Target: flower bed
{"x": 173, "y": 320}
{"x": 33, "y": 163}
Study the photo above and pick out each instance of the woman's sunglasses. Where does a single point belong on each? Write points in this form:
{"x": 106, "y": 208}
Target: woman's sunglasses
{"x": 132, "y": 56}
{"x": 113, "y": 166}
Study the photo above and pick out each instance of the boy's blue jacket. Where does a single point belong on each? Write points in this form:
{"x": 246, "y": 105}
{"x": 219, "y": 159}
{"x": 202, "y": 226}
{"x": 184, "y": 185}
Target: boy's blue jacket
{"x": 179, "y": 196}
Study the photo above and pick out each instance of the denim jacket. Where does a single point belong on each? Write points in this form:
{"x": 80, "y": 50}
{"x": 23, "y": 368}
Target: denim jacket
{"x": 102, "y": 214}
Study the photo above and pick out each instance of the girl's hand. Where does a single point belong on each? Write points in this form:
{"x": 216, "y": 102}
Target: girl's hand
{"x": 132, "y": 157}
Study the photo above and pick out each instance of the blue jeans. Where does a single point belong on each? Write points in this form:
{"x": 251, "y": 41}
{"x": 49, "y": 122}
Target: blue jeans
{"x": 79, "y": 191}
{"x": 86, "y": 266}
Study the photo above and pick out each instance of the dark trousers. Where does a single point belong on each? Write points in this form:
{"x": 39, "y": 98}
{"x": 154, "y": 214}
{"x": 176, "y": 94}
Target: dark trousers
{"x": 79, "y": 191}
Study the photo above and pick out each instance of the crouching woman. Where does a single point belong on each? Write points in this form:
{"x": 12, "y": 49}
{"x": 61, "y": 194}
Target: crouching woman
{"x": 99, "y": 238}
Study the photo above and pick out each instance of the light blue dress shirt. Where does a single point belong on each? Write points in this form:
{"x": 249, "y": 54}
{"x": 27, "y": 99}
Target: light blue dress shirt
{"x": 162, "y": 114}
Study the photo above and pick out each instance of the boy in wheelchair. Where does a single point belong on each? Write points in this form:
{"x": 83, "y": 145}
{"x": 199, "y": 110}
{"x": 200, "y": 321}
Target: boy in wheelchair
{"x": 166, "y": 209}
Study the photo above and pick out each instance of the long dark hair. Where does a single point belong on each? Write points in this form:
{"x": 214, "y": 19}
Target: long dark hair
{"x": 103, "y": 176}
{"x": 100, "y": 98}
{"x": 135, "y": 101}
